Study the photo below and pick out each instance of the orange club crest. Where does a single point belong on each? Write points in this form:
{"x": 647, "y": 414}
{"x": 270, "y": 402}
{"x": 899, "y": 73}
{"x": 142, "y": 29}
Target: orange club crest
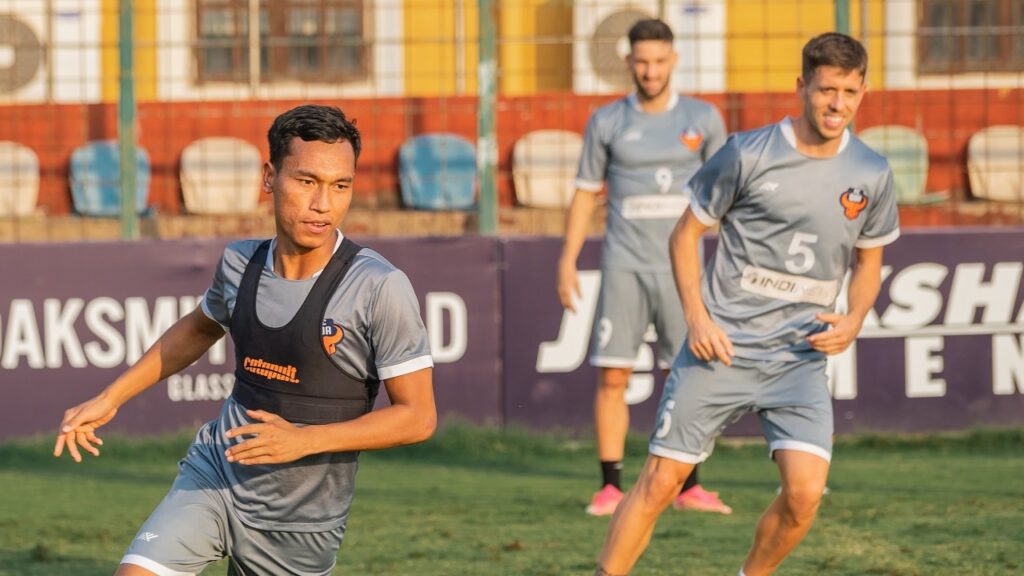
{"x": 330, "y": 335}
{"x": 853, "y": 201}
{"x": 692, "y": 139}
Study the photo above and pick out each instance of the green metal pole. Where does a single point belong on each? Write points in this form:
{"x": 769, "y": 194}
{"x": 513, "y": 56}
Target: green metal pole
{"x": 843, "y": 16}
{"x": 486, "y": 143}
{"x": 843, "y": 26}
{"x": 126, "y": 115}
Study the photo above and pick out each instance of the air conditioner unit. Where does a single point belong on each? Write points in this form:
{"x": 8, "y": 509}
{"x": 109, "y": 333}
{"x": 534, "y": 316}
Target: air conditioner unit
{"x": 71, "y": 58}
{"x": 600, "y": 45}
{"x": 22, "y": 52}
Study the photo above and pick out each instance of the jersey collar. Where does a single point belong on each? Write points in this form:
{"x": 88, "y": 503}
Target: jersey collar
{"x": 273, "y": 242}
{"x": 786, "y": 126}
{"x": 673, "y": 99}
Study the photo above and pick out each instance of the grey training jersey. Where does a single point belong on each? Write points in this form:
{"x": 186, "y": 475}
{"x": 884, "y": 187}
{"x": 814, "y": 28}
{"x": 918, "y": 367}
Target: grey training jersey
{"x": 384, "y": 338}
{"x": 789, "y": 224}
{"x": 646, "y": 160}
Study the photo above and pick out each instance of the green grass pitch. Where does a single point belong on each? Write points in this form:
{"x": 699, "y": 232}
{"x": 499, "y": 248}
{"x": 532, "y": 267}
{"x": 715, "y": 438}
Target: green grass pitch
{"x": 487, "y": 502}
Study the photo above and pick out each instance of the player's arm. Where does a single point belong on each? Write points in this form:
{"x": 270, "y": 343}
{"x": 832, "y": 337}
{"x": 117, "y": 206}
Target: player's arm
{"x": 410, "y": 418}
{"x": 181, "y": 345}
{"x": 577, "y": 221}
{"x": 864, "y": 287}
{"x": 589, "y": 181}
{"x": 706, "y": 339}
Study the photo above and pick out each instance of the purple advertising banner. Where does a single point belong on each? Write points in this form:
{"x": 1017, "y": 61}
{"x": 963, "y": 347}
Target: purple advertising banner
{"x": 457, "y": 282}
{"x": 549, "y": 381}
{"x": 944, "y": 346}
{"x": 942, "y": 350}
{"x": 75, "y": 315}
{"x": 72, "y": 317}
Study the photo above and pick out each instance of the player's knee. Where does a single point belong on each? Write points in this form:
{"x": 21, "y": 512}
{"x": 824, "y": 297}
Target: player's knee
{"x": 802, "y": 502}
{"x": 614, "y": 379}
{"x": 662, "y": 483}
{"x": 665, "y": 485}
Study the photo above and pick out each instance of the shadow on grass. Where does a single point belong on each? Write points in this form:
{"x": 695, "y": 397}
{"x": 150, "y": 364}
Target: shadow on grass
{"x": 517, "y": 451}
{"x": 45, "y": 560}
{"x": 978, "y": 440}
{"x": 134, "y": 459}
{"x": 511, "y": 450}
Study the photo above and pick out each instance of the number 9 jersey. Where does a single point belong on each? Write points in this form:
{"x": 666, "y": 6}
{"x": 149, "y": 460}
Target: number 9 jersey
{"x": 789, "y": 224}
{"x": 646, "y": 159}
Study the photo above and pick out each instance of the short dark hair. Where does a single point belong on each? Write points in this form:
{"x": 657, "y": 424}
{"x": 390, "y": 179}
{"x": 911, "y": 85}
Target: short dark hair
{"x": 650, "y": 29}
{"x": 310, "y": 122}
{"x": 834, "y": 49}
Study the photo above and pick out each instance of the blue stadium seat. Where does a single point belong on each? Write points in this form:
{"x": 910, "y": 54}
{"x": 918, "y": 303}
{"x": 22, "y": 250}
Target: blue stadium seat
{"x": 438, "y": 172}
{"x": 96, "y": 179}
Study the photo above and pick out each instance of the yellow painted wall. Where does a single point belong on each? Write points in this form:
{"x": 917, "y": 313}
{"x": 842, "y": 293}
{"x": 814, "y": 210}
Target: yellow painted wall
{"x": 535, "y": 51}
{"x": 145, "y": 50}
{"x": 108, "y": 50}
{"x": 430, "y": 47}
{"x": 765, "y": 38}
{"x": 873, "y": 36}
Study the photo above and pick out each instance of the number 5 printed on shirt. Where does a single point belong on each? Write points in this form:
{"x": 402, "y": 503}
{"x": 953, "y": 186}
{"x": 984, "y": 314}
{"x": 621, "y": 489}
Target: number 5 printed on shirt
{"x": 803, "y": 255}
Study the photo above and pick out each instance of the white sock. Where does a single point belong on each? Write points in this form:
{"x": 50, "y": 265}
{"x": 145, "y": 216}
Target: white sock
{"x": 742, "y": 573}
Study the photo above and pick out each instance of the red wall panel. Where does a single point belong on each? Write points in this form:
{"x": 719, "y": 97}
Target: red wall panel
{"x": 947, "y": 118}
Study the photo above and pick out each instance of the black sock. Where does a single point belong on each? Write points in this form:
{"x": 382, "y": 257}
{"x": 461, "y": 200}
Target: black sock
{"x": 611, "y": 473}
{"x": 691, "y": 481}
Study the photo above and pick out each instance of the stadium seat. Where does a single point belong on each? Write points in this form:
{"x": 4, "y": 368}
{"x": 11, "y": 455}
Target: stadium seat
{"x": 995, "y": 163}
{"x": 96, "y": 179}
{"x": 544, "y": 166}
{"x": 220, "y": 176}
{"x": 437, "y": 172}
{"x": 19, "y": 180}
{"x": 907, "y": 152}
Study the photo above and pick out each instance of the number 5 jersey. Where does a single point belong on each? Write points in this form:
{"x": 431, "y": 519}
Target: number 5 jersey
{"x": 789, "y": 224}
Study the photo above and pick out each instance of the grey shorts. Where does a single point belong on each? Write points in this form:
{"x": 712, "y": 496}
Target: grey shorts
{"x": 629, "y": 304}
{"x": 701, "y": 398}
{"x": 195, "y": 526}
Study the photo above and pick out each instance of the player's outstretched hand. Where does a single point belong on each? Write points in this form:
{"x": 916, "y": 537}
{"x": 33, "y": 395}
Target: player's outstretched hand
{"x": 273, "y": 441}
{"x": 709, "y": 342}
{"x": 78, "y": 429}
{"x": 568, "y": 286}
{"x": 838, "y": 337}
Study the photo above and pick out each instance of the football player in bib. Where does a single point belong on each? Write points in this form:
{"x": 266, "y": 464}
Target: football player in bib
{"x": 318, "y": 324}
{"x": 645, "y": 147}
{"x": 797, "y": 203}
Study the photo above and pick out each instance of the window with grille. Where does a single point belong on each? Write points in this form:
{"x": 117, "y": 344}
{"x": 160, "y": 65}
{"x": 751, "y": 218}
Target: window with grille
{"x": 319, "y": 41}
{"x": 957, "y": 36}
